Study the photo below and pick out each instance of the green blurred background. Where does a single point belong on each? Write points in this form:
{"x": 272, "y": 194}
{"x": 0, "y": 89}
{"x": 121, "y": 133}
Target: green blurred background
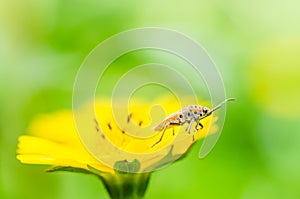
{"x": 255, "y": 44}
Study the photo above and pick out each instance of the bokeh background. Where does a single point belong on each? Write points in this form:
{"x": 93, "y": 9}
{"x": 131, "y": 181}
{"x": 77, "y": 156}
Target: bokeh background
{"x": 255, "y": 44}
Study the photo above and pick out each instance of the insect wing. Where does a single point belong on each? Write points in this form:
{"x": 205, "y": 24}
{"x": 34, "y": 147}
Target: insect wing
{"x": 166, "y": 122}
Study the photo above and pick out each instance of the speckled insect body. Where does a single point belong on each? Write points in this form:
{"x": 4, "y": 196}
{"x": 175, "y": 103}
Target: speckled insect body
{"x": 189, "y": 115}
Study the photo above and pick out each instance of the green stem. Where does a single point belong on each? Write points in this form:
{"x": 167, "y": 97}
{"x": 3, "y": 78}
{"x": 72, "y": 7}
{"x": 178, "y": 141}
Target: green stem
{"x": 126, "y": 185}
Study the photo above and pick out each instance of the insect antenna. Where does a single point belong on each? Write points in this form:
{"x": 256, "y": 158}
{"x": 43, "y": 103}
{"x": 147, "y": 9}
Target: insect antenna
{"x": 217, "y": 107}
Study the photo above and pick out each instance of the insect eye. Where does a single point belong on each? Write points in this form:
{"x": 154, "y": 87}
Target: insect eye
{"x": 204, "y": 110}
{"x": 180, "y": 116}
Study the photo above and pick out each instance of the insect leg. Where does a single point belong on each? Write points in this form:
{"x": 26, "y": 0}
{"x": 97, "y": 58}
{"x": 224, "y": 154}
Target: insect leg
{"x": 162, "y": 135}
{"x": 201, "y": 125}
{"x": 173, "y": 132}
{"x": 198, "y": 124}
{"x": 196, "y": 127}
{"x": 188, "y": 129}
{"x": 187, "y": 126}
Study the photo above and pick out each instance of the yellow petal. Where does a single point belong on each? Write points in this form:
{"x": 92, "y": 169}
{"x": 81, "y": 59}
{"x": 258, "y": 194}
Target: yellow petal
{"x": 58, "y": 127}
{"x": 34, "y": 150}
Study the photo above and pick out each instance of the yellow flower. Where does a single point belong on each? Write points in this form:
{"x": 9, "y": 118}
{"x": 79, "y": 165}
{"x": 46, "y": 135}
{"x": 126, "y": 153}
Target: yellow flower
{"x": 54, "y": 140}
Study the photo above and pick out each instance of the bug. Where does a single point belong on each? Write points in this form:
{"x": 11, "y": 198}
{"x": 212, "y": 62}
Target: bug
{"x": 190, "y": 115}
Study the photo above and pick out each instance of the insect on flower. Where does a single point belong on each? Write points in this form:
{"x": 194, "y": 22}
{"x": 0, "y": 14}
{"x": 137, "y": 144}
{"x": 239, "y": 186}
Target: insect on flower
{"x": 189, "y": 114}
